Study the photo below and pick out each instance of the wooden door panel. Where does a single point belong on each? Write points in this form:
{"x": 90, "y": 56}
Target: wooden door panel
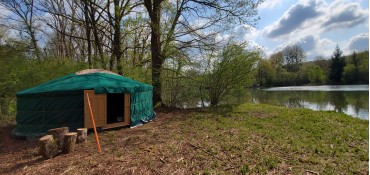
{"x": 99, "y": 109}
{"x": 127, "y": 109}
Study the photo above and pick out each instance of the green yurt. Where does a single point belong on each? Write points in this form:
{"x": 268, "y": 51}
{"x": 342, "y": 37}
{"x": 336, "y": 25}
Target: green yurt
{"x": 69, "y": 101}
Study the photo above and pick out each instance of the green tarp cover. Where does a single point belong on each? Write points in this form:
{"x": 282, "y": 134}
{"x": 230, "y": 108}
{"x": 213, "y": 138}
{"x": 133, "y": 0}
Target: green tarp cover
{"x": 60, "y": 102}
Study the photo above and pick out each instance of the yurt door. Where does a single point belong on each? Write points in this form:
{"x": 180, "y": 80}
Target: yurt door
{"x": 127, "y": 109}
{"x": 99, "y": 109}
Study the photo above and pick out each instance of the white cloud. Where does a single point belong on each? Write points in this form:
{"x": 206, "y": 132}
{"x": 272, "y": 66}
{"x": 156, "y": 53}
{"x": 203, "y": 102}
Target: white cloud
{"x": 315, "y": 17}
{"x": 313, "y": 46}
{"x": 359, "y": 42}
{"x": 240, "y": 34}
{"x": 307, "y": 21}
{"x": 344, "y": 15}
{"x": 294, "y": 18}
{"x": 4, "y": 11}
{"x": 222, "y": 37}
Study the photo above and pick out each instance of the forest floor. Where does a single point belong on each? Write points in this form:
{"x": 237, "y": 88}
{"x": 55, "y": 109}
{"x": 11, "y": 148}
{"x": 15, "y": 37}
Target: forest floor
{"x": 245, "y": 139}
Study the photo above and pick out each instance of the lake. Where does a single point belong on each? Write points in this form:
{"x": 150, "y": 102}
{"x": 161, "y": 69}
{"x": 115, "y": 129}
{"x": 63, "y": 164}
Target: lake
{"x": 352, "y": 100}
{"x": 349, "y": 99}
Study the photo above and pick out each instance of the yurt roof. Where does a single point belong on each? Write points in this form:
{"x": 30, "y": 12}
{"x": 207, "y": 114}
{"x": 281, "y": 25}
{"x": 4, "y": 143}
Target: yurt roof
{"x": 102, "y": 81}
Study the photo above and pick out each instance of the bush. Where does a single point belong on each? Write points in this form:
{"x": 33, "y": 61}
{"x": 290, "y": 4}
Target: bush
{"x": 20, "y": 72}
{"x": 315, "y": 75}
{"x": 232, "y": 69}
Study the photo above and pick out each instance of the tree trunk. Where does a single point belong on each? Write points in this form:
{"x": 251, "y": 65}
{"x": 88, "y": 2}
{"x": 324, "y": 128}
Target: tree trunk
{"x": 214, "y": 102}
{"x": 154, "y": 10}
{"x": 58, "y": 134}
{"x": 69, "y": 142}
{"x": 48, "y": 147}
{"x": 81, "y": 135}
{"x": 117, "y": 37}
{"x": 156, "y": 68}
{"x": 32, "y": 32}
{"x": 201, "y": 96}
{"x": 97, "y": 41}
{"x": 88, "y": 34}
{"x": 117, "y": 49}
{"x": 34, "y": 43}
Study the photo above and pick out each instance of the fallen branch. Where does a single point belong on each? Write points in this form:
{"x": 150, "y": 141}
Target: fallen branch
{"x": 230, "y": 168}
{"x": 350, "y": 145}
{"x": 69, "y": 169}
{"x": 162, "y": 160}
{"x": 313, "y": 172}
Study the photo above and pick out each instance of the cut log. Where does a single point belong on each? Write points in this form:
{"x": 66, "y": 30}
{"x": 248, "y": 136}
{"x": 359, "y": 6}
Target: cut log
{"x": 58, "y": 134}
{"x": 69, "y": 142}
{"x": 81, "y": 135}
{"x": 48, "y": 148}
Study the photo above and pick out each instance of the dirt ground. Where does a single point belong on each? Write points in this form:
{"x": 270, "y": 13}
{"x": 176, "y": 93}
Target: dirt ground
{"x": 253, "y": 139}
{"x": 138, "y": 150}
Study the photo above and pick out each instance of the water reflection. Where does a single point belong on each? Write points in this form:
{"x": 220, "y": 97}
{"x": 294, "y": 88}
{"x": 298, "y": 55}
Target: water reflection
{"x": 354, "y": 103}
{"x": 352, "y": 100}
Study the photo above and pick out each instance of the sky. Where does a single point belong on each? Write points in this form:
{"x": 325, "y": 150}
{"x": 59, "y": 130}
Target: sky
{"x": 316, "y": 25}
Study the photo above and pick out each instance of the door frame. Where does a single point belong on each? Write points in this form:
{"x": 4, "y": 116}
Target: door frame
{"x": 96, "y": 101}
{"x": 98, "y": 107}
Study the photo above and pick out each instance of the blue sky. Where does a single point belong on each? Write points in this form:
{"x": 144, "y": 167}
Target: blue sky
{"x": 317, "y": 25}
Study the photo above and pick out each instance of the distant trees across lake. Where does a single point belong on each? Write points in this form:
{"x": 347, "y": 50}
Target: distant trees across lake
{"x": 278, "y": 69}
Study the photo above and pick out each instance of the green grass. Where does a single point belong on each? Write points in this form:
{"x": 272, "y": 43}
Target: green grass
{"x": 264, "y": 138}
{"x": 244, "y": 139}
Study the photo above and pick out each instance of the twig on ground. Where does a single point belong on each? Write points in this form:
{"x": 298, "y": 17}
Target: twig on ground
{"x": 69, "y": 169}
{"x": 161, "y": 159}
{"x": 350, "y": 145}
{"x": 180, "y": 159}
{"x": 230, "y": 168}
{"x": 313, "y": 172}
{"x": 110, "y": 167}
{"x": 174, "y": 172}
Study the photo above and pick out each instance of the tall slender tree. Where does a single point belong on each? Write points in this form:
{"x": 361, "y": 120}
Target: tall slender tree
{"x": 337, "y": 65}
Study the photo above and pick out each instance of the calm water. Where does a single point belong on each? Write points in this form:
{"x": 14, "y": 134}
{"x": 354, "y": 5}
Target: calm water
{"x": 350, "y": 99}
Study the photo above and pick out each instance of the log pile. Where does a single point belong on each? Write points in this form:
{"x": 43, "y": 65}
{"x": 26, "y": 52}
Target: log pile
{"x": 60, "y": 140}
{"x": 81, "y": 135}
{"x": 69, "y": 142}
{"x": 48, "y": 148}
{"x": 58, "y": 135}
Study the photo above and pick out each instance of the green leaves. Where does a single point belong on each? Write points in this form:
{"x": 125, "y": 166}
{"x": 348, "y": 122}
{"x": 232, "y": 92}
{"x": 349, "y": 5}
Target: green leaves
{"x": 19, "y": 72}
{"x": 232, "y": 69}
{"x": 315, "y": 75}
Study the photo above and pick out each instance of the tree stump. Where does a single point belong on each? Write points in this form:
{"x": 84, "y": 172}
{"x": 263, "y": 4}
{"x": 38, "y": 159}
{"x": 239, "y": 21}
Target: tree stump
{"x": 69, "y": 142}
{"x": 48, "y": 147}
{"x": 58, "y": 134}
{"x": 81, "y": 135}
